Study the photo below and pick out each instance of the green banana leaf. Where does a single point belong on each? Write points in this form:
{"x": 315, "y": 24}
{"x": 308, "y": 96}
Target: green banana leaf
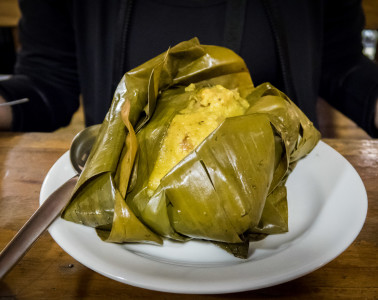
{"x": 229, "y": 190}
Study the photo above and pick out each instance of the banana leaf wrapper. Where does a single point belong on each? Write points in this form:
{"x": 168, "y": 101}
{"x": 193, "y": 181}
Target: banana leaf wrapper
{"x": 229, "y": 190}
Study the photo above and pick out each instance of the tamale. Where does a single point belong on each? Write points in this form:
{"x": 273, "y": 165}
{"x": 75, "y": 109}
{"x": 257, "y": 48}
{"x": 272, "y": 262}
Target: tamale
{"x": 207, "y": 108}
{"x": 225, "y": 181}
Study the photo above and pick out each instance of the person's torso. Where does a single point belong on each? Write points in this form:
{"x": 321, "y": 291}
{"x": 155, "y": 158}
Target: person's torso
{"x": 114, "y": 37}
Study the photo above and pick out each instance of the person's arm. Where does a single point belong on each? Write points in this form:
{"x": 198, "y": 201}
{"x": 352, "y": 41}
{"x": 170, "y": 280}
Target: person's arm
{"x": 46, "y": 68}
{"x": 5, "y": 116}
{"x": 349, "y": 80}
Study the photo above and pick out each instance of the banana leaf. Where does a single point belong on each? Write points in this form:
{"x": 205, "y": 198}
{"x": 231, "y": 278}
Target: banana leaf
{"x": 229, "y": 190}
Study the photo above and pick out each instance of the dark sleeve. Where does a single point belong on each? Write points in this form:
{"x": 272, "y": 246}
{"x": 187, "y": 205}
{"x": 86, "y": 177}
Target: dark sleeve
{"x": 349, "y": 80}
{"x": 46, "y": 70}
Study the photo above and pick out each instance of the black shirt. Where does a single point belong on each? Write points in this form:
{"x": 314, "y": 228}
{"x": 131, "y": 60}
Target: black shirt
{"x": 176, "y": 21}
{"x": 84, "y": 47}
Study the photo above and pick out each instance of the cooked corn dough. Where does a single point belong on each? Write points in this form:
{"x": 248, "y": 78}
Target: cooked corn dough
{"x": 208, "y": 107}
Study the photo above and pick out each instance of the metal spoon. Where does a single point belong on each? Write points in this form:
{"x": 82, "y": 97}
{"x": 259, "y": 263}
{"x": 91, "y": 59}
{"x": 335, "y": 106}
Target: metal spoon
{"x": 52, "y": 207}
{"x": 14, "y": 102}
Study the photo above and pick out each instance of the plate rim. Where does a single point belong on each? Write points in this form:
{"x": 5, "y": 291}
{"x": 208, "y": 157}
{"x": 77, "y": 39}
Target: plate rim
{"x": 231, "y": 286}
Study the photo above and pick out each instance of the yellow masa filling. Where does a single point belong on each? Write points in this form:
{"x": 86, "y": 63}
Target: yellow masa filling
{"x": 207, "y": 109}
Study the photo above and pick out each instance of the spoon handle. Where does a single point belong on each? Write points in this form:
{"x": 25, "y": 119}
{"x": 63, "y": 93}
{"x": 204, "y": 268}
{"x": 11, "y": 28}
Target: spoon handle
{"x": 35, "y": 226}
{"x": 14, "y": 102}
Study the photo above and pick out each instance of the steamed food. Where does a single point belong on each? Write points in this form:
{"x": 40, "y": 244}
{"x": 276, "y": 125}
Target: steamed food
{"x": 207, "y": 108}
{"x": 191, "y": 149}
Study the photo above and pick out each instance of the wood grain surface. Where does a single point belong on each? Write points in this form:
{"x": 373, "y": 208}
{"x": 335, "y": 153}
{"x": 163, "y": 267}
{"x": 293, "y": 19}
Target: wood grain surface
{"x": 370, "y": 8}
{"x": 47, "y": 272}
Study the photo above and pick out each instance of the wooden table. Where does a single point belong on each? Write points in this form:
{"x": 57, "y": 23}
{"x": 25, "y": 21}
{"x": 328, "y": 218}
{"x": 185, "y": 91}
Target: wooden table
{"x": 47, "y": 272}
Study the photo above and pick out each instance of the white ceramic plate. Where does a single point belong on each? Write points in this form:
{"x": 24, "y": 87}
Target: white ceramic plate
{"x": 327, "y": 209}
